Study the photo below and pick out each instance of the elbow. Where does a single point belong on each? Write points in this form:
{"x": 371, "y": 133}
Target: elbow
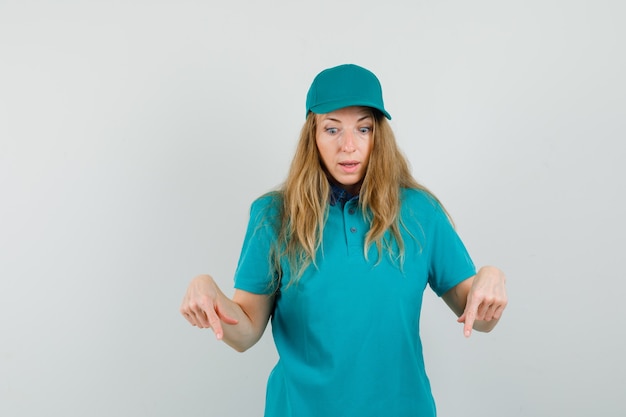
{"x": 238, "y": 346}
{"x": 241, "y": 345}
{"x": 241, "y": 349}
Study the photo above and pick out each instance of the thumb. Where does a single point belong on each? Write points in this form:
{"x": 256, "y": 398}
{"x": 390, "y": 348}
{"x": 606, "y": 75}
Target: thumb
{"x": 224, "y": 316}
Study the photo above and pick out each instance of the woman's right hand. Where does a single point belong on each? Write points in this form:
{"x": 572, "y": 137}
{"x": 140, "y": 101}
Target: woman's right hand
{"x": 205, "y": 306}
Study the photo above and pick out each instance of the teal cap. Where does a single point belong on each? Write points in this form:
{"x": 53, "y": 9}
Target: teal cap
{"x": 343, "y": 86}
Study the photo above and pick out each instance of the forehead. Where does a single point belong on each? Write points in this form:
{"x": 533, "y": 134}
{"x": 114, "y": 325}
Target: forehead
{"x": 346, "y": 113}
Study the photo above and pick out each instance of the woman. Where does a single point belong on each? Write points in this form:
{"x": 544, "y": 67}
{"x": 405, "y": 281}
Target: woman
{"x": 339, "y": 258}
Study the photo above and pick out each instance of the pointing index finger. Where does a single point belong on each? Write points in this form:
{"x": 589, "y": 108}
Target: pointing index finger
{"x": 469, "y": 317}
{"x": 215, "y": 324}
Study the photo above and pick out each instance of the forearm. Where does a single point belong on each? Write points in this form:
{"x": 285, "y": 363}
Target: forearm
{"x": 479, "y": 300}
{"x": 245, "y": 333}
{"x": 239, "y": 321}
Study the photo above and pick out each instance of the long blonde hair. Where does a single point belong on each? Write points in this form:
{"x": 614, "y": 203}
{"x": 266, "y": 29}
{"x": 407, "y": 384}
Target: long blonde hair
{"x": 304, "y": 199}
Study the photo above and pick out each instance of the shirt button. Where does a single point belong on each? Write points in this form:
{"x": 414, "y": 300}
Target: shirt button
{"x": 353, "y": 229}
{"x": 351, "y": 211}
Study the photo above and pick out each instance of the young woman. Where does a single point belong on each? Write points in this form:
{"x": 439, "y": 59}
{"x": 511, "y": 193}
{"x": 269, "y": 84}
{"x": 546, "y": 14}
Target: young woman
{"x": 339, "y": 258}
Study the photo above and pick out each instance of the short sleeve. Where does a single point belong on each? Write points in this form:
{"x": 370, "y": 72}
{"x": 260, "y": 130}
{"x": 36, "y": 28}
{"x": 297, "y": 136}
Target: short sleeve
{"x": 254, "y": 271}
{"x": 450, "y": 263}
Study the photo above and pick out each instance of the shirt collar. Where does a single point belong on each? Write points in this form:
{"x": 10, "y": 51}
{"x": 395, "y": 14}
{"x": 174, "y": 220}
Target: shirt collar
{"x": 340, "y": 196}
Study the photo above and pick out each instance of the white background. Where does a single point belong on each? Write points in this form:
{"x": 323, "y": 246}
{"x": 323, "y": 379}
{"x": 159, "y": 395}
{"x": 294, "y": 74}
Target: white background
{"x": 135, "y": 134}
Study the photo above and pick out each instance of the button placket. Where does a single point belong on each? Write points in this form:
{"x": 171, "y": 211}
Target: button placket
{"x": 352, "y": 226}
{"x": 351, "y": 212}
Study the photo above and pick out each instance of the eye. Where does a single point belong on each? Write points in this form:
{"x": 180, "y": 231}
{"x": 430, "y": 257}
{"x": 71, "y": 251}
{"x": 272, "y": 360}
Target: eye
{"x": 332, "y": 130}
{"x": 365, "y": 129}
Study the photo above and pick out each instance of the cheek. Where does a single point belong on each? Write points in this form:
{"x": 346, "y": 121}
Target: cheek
{"x": 367, "y": 149}
{"x": 326, "y": 147}
{"x": 324, "y": 152}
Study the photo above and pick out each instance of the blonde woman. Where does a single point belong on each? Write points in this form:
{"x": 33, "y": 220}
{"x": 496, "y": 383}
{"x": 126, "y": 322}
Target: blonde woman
{"x": 338, "y": 259}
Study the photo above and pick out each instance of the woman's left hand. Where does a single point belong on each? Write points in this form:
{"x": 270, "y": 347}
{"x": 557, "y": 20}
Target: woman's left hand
{"x": 486, "y": 300}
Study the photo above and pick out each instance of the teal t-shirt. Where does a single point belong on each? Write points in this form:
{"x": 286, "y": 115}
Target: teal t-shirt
{"x": 347, "y": 334}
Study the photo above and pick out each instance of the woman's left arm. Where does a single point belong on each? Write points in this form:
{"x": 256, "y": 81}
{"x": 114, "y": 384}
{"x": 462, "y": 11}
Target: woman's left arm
{"x": 479, "y": 300}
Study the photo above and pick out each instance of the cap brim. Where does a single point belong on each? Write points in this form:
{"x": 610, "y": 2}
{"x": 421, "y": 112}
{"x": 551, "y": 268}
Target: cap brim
{"x": 331, "y": 107}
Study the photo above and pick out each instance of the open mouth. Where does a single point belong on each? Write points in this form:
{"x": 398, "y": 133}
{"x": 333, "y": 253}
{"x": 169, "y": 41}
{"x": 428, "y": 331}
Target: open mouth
{"x": 349, "y": 166}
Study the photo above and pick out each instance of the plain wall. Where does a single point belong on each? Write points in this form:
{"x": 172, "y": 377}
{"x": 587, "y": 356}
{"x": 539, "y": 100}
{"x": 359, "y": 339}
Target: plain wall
{"x": 135, "y": 134}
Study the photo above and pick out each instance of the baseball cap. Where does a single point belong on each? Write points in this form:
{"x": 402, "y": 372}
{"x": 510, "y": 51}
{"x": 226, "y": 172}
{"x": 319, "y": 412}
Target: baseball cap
{"x": 343, "y": 86}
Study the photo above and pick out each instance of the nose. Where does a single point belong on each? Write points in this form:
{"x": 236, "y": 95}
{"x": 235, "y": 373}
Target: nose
{"x": 348, "y": 144}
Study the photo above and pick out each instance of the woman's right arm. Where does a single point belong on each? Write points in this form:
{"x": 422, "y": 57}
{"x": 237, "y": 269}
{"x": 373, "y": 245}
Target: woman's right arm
{"x": 240, "y": 322}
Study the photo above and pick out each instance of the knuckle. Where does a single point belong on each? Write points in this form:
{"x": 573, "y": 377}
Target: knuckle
{"x": 489, "y": 300}
{"x": 204, "y": 302}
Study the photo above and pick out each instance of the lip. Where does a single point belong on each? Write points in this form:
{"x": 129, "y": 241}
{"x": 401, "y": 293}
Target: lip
{"x": 349, "y": 166}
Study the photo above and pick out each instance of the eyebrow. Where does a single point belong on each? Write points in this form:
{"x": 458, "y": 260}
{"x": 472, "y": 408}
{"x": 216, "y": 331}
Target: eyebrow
{"x": 367, "y": 116}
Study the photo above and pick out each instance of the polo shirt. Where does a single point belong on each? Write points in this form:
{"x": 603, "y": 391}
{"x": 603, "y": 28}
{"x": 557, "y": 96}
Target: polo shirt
{"x": 347, "y": 332}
